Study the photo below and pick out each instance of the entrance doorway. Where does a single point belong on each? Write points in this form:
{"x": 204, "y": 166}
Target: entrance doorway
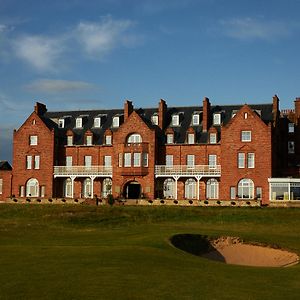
{"x": 132, "y": 190}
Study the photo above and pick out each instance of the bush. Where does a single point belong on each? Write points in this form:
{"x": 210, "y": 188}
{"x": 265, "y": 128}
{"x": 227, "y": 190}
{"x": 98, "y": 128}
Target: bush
{"x": 110, "y": 199}
{"x": 175, "y": 202}
{"x": 219, "y": 202}
{"x": 50, "y": 200}
{"x": 162, "y": 201}
{"x": 150, "y": 201}
{"x": 205, "y": 202}
{"x": 191, "y": 202}
{"x": 233, "y": 203}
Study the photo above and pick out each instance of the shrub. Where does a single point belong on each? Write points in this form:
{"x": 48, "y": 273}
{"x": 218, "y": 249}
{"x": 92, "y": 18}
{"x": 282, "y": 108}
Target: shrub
{"x": 63, "y": 200}
{"x": 39, "y": 200}
{"x": 76, "y": 200}
{"x": 28, "y": 200}
{"x": 50, "y": 200}
{"x": 110, "y": 199}
{"x": 15, "y": 200}
{"x": 175, "y": 202}
{"x": 191, "y": 202}
{"x": 232, "y": 203}
{"x": 205, "y": 202}
{"x": 219, "y": 202}
{"x": 162, "y": 201}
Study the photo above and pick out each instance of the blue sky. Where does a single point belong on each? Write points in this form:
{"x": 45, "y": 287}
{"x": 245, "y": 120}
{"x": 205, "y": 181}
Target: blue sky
{"x": 80, "y": 54}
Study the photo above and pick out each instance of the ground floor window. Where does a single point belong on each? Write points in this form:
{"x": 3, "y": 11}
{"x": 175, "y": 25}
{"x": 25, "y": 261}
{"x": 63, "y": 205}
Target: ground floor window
{"x": 68, "y": 188}
{"x": 106, "y": 187}
{"x": 246, "y": 189}
{"x": 212, "y": 189}
{"x": 190, "y": 189}
{"x": 1, "y": 185}
{"x": 169, "y": 188}
{"x": 87, "y": 188}
{"x": 32, "y": 188}
{"x": 284, "y": 188}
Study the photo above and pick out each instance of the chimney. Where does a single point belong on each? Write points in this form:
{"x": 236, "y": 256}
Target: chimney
{"x": 128, "y": 109}
{"x": 40, "y": 108}
{"x": 206, "y": 113}
{"x": 162, "y": 109}
{"x": 275, "y": 110}
{"x": 297, "y": 107}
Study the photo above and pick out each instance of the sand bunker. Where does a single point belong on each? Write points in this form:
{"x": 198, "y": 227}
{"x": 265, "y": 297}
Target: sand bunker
{"x": 232, "y": 250}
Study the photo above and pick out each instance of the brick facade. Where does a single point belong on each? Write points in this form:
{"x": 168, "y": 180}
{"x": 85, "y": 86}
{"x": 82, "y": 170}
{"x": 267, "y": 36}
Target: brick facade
{"x": 128, "y": 153}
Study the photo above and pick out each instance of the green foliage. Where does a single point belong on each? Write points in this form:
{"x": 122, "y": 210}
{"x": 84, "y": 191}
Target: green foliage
{"x": 110, "y": 199}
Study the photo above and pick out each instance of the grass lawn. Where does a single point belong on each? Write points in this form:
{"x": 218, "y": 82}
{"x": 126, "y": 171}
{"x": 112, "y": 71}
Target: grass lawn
{"x": 85, "y": 252}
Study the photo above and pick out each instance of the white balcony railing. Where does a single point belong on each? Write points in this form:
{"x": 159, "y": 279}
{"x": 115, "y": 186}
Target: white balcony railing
{"x": 82, "y": 171}
{"x": 184, "y": 170}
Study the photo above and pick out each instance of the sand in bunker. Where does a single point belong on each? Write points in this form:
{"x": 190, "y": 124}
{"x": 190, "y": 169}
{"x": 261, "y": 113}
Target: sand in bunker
{"x": 232, "y": 251}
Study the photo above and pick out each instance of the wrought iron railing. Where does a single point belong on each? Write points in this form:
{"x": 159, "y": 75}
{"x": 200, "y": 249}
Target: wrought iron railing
{"x": 185, "y": 170}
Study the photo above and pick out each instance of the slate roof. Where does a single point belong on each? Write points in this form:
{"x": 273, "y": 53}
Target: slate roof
{"x": 4, "y": 165}
{"x": 186, "y": 113}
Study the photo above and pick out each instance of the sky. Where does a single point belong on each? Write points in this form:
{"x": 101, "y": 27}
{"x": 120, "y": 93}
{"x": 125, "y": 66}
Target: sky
{"x": 79, "y": 54}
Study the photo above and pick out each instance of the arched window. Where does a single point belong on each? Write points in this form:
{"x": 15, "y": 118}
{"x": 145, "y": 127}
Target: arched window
{"x": 169, "y": 188}
{"x": 106, "y": 187}
{"x": 246, "y": 189}
{"x": 134, "y": 138}
{"x": 87, "y": 188}
{"x": 190, "y": 189}
{"x": 68, "y": 188}
{"x": 212, "y": 189}
{"x": 32, "y": 188}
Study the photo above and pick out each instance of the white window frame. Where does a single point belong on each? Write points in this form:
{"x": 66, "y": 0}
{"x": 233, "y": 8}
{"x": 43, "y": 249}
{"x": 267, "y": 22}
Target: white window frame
{"x": 69, "y": 161}
{"x": 32, "y": 188}
{"x": 170, "y": 138}
{"x": 191, "y": 138}
{"x": 37, "y": 160}
{"x": 212, "y": 138}
{"x": 1, "y": 186}
{"x": 136, "y": 159}
{"x": 89, "y": 140}
{"x": 107, "y": 161}
{"x": 61, "y": 123}
{"x": 127, "y": 159}
{"x": 212, "y": 188}
{"x": 120, "y": 160}
{"x": 97, "y": 122}
{"x": 78, "y": 122}
{"x": 190, "y": 160}
{"x": 232, "y": 192}
{"x": 190, "y": 189}
{"x": 88, "y": 161}
{"x": 108, "y": 139}
{"x": 175, "y": 120}
{"x": 246, "y": 189}
{"x": 33, "y": 140}
{"x": 251, "y": 160}
{"x": 216, "y": 119}
{"x": 154, "y": 119}
{"x": 196, "y": 119}
{"x": 291, "y": 127}
{"x": 134, "y": 138}
{"x": 212, "y": 161}
{"x": 116, "y": 121}
{"x": 145, "y": 159}
{"x": 68, "y": 188}
{"x": 70, "y": 140}
{"x": 241, "y": 160}
{"x": 29, "y": 162}
{"x": 246, "y": 135}
{"x": 169, "y": 160}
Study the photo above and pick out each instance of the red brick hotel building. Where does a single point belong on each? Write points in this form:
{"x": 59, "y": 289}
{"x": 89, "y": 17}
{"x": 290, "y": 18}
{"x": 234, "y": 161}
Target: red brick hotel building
{"x": 212, "y": 154}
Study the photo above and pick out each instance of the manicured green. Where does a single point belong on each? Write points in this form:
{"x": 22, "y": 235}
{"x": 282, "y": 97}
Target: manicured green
{"x": 87, "y": 252}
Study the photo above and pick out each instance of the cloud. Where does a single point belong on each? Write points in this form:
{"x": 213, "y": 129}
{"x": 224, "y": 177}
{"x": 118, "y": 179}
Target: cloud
{"x": 42, "y": 52}
{"x": 253, "y": 29}
{"x": 99, "y": 39}
{"x": 53, "y": 85}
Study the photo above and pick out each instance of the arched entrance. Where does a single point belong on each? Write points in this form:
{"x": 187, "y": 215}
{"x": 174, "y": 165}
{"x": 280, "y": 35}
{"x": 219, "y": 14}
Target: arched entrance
{"x": 132, "y": 190}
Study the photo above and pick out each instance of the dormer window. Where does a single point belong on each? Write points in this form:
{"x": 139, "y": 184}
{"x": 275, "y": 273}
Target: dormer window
{"x": 154, "y": 119}
{"x": 61, "y": 123}
{"x": 233, "y": 113}
{"x": 170, "y": 138}
{"x": 175, "y": 120}
{"x": 212, "y": 138}
{"x": 116, "y": 121}
{"x": 89, "y": 140}
{"x": 79, "y": 122}
{"x": 69, "y": 140}
{"x": 217, "y": 119}
{"x": 97, "y": 122}
{"x": 191, "y": 138}
{"x": 196, "y": 119}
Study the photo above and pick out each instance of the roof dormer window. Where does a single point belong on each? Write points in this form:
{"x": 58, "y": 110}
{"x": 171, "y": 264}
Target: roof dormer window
{"x": 196, "y": 119}
{"x": 154, "y": 119}
{"x": 116, "y": 121}
{"x": 191, "y": 138}
{"x": 61, "y": 123}
{"x": 79, "y": 122}
{"x": 97, "y": 122}
{"x": 175, "y": 120}
{"x": 170, "y": 138}
{"x": 217, "y": 119}
{"x": 70, "y": 140}
{"x": 89, "y": 140}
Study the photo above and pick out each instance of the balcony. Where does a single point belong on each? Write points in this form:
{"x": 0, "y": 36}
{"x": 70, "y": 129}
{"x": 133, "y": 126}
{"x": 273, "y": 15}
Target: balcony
{"x": 186, "y": 171}
{"x": 82, "y": 171}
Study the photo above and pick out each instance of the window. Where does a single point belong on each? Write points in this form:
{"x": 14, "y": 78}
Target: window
{"x": 87, "y": 188}
{"x": 33, "y": 140}
{"x": 170, "y": 138}
{"x": 245, "y": 116}
{"x": 232, "y": 192}
{"x": 1, "y": 185}
{"x": 241, "y": 160}
{"x": 190, "y": 189}
{"x": 136, "y": 159}
{"x": 106, "y": 187}
{"x": 169, "y": 160}
{"x": 191, "y": 138}
{"x": 190, "y": 160}
{"x": 127, "y": 159}
{"x": 79, "y": 122}
{"x": 89, "y": 140}
{"x": 107, "y": 161}
{"x": 22, "y": 191}
{"x": 68, "y": 188}
{"x": 217, "y": 119}
{"x": 169, "y": 188}
{"x": 37, "y": 162}
{"x": 212, "y": 138}
{"x": 212, "y": 160}
{"x": 258, "y": 193}
{"x": 175, "y": 120}
{"x": 28, "y": 162}
{"x": 70, "y": 140}
{"x": 251, "y": 160}
{"x": 145, "y": 159}
{"x": 212, "y": 189}
{"x": 69, "y": 161}
{"x": 291, "y": 147}
{"x": 42, "y": 193}
{"x": 134, "y": 138}
{"x": 196, "y": 119}
{"x": 154, "y": 119}
{"x": 120, "y": 160}
{"x": 246, "y": 136}
{"x": 88, "y": 161}
{"x": 32, "y": 188}
{"x": 115, "y": 122}
{"x": 108, "y": 139}
{"x": 61, "y": 123}
{"x": 246, "y": 189}
{"x": 97, "y": 122}
{"x": 291, "y": 127}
